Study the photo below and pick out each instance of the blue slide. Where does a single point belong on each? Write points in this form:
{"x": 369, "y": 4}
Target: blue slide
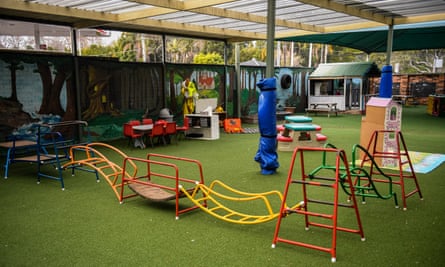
{"x": 267, "y": 121}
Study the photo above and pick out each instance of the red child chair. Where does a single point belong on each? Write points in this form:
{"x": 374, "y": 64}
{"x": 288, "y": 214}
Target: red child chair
{"x": 129, "y": 132}
{"x": 170, "y": 131}
{"x": 157, "y": 132}
{"x": 181, "y": 130}
{"x": 147, "y": 121}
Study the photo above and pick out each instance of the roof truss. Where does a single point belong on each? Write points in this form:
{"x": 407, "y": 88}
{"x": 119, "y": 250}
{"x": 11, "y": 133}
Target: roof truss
{"x": 231, "y": 20}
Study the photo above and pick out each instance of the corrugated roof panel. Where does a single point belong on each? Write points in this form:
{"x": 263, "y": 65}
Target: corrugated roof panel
{"x": 245, "y": 5}
{"x": 238, "y": 24}
{"x": 119, "y": 7}
{"x": 219, "y": 22}
{"x": 315, "y": 16}
{"x": 193, "y": 18}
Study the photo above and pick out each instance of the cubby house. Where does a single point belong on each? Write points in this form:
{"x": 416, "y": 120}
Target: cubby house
{"x": 382, "y": 114}
{"x": 342, "y": 83}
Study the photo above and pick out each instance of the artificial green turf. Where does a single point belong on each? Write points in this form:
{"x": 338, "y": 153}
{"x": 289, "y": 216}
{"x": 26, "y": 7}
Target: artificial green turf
{"x": 41, "y": 225}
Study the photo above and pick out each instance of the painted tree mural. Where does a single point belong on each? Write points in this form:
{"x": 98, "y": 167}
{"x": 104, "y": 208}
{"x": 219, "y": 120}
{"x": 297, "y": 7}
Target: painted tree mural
{"x": 52, "y": 85}
{"x": 14, "y": 64}
{"x": 98, "y": 94}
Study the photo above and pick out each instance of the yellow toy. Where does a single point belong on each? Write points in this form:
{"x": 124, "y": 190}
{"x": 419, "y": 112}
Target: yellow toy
{"x": 214, "y": 203}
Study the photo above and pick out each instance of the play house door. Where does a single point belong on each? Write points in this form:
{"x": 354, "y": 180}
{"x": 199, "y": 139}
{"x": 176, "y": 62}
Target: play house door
{"x": 353, "y": 93}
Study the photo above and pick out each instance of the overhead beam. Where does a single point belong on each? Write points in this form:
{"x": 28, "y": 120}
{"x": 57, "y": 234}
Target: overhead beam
{"x": 353, "y": 26}
{"x": 349, "y": 10}
{"x": 190, "y": 29}
{"x": 175, "y": 4}
{"x": 255, "y": 18}
{"x": 204, "y": 7}
{"x": 102, "y": 19}
{"x": 349, "y": 27}
{"x": 144, "y": 13}
{"x": 78, "y": 18}
{"x": 182, "y": 5}
{"x": 419, "y": 19}
{"x": 192, "y": 4}
{"x": 292, "y": 34}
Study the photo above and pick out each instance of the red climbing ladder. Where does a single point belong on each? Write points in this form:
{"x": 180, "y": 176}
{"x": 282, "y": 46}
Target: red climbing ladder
{"x": 396, "y": 152}
{"x": 319, "y": 209}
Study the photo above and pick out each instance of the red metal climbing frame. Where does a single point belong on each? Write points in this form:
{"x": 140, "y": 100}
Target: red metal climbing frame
{"x": 316, "y": 208}
{"x": 399, "y": 154}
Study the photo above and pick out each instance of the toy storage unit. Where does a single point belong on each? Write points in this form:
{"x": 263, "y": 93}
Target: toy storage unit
{"x": 205, "y": 127}
{"x": 233, "y": 125}
{"x": 436, "y": 105}
{"x": 382, "y": 114}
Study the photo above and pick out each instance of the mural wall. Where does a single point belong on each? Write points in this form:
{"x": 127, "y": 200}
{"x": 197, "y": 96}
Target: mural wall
{"x": 112, "y": 93}
{"x": 209, "y": 80}
{"x": 35, "y": 88}
{"x": 106, "y": 93}
{"x": 291, "y": 88}
{"x": 42, "y": 88}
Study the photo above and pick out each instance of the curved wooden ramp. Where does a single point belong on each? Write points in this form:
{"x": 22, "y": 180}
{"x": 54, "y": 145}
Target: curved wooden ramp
{"x": 211, "y": 204}
{"x": 154, "y": 193}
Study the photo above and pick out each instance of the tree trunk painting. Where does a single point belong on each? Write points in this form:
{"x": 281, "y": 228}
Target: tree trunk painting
{"x": 13, "y": 67}
{"x": 70, "y": 113}
{"x": 51, "y": 91}
{"x": 98, "y": 94}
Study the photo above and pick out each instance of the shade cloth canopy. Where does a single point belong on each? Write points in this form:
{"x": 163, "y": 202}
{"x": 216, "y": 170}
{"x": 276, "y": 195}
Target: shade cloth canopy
{"x": 406, "y": 37}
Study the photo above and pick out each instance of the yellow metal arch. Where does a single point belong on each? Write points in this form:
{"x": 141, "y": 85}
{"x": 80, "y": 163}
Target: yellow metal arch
{"x": 204, "y": 195}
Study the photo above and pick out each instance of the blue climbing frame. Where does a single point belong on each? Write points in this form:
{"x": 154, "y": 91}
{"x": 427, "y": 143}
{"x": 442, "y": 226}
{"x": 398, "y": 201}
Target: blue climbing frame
{"x": 50, "y": 145}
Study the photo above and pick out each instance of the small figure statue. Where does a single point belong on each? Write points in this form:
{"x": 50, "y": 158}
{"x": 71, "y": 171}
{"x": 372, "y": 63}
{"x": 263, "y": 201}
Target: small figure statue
{"x": 190, "y": 94}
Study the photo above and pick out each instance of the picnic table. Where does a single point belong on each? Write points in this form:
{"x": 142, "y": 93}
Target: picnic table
{"x": 323, "y": 107}
{"x": 405, "y": 100}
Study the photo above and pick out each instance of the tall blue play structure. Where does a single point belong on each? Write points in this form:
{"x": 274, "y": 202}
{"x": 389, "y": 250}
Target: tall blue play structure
{"x": 385, "y": 89}
{"x": 267, "y": 121}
